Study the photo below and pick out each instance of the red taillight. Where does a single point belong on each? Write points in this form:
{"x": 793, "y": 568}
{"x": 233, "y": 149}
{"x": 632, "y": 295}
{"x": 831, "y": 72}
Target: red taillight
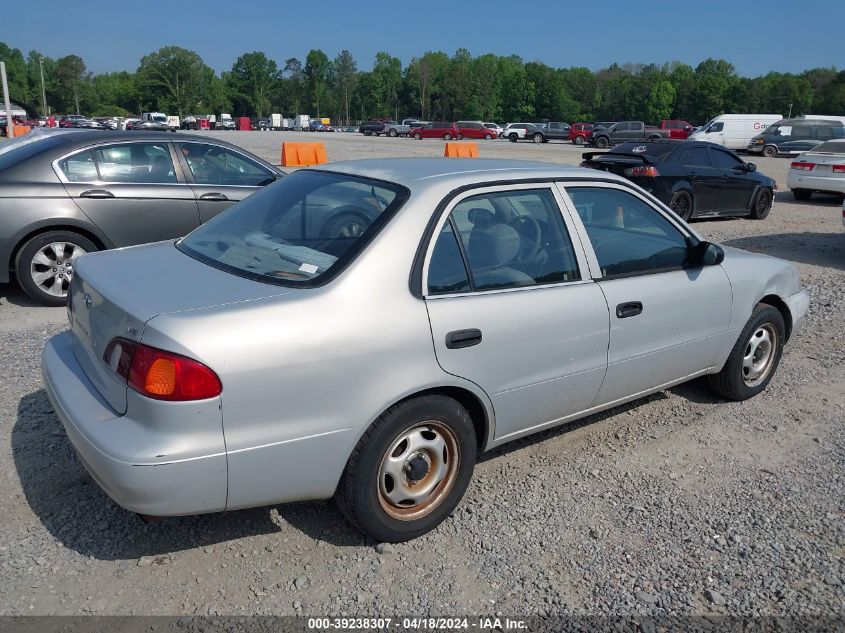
{"x": 801, "y": 165}
{"x": 159, "y": 374}
{"x": 839, "y": 169}
{"x": 648, "y": 171}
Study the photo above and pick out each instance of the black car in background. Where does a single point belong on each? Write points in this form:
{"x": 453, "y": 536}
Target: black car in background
{"x": 368, "y": 128}
{"x": 693, "y": 178}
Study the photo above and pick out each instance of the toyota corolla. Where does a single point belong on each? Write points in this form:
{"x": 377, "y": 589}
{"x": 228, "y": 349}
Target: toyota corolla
{"x": 262, "y": 360}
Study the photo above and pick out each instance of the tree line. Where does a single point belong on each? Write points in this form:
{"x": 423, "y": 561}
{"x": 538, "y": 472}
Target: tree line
{"x": 433, "y": 86}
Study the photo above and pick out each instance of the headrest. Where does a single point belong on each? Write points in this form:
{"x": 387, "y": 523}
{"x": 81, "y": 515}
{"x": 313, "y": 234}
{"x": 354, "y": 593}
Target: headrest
{"x": 492, "y": 245}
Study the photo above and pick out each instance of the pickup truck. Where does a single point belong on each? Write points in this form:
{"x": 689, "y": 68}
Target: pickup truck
{"x": 371, "y": 128}
{"x": 551, "y": 131}
{"x": 625, "y": 132}
{"x": 677, "y": 128}
{"x": 391, "y": 128}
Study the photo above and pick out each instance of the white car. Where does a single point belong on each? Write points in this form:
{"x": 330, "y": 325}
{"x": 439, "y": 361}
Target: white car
{"x": 495, "y": 128}
{"x": 822, "y": 169}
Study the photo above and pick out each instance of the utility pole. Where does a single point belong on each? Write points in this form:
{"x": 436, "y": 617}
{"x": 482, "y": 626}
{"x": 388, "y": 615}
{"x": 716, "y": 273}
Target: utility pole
{"x": 43, "y": 91}
{"x": 6, "y": 101}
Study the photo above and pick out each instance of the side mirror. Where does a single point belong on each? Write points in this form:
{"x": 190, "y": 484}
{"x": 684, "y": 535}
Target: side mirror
{"x": 750, "y": 167}
{"x": 707, "y": 254}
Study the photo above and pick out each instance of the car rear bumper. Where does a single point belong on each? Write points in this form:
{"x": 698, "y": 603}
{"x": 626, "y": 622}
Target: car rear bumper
{"x": 798, "y": 305}
{"x": 832, "y": 183}
{"x": 143, "y": 468}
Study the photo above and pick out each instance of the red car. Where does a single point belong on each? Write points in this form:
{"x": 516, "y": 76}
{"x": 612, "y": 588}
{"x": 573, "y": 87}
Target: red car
{"x": 474, "y": 129}
{"x": 580, "y": 133}
{"x": 436, "y": 129}
{"x": 677, "y": 128}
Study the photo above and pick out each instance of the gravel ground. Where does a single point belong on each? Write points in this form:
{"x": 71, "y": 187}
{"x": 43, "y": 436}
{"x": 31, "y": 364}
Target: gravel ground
{"x": 677, "y": 504}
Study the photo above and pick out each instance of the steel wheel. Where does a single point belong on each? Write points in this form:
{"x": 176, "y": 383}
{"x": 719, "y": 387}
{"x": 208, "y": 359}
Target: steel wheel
{"x": 418, "y": 471}
{"x": 52, "y": 267}
{"x": 770, "y": 151}
{"x": 757, "y": 361}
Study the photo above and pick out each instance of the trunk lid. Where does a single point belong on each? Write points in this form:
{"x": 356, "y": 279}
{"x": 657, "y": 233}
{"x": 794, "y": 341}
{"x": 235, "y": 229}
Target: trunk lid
{"x": 114, "y": 294}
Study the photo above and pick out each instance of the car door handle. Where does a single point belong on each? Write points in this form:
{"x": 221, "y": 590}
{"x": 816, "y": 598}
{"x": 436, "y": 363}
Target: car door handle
{"x": 629, "y": 309}
{"x": 220, "y": 197}
{"x": 96, "y": 193}
{"x": 463, "y": 338}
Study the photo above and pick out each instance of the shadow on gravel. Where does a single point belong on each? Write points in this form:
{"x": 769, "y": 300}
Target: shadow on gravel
{"x": 817, "y": 249}
{"x": 697, "y": 391}
{"x": 83, "y": 518}
{"x": 12, "y": 294}
{"x": 818, "y": 200}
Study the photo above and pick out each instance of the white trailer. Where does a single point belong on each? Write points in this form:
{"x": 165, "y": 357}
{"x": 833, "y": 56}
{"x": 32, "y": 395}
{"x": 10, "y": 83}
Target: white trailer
{"x": 301, "y": 122}
{"x": 276, "y": 122}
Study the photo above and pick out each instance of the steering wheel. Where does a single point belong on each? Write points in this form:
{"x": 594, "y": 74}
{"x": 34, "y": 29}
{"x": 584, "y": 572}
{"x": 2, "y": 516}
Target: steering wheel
{"x": 529, "y": 232}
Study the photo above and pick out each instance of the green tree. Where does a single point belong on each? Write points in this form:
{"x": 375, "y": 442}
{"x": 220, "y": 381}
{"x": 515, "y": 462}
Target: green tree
{"x": 316, "y": 75}
{"x": 71, "y": 74}
{"x": 254, "y": 77}
{"x": 661, "y": 101}
{"x": 176, "y": 78}
{"x": 16, "y": 75}
{"x": 346, "y": 74}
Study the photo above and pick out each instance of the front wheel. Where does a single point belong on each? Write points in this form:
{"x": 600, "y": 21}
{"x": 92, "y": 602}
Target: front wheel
{"x": 762, "y": 205}
{"x": 393, "y": 133}
{"x": 579, "y": 140}
{"x": 44, "y": 265}
{"x": 409, "y": 470}
{"x": 770, "y": 151}
{"x": 513, "y": 138}
{"x": 447, "y": 137}
{"x": 418, "y": 136}
{"x": 488, "y": 137}
{"x": 538, "y": 138}
{"x": 602, "y": 142}
{"x": 755, "y": 356}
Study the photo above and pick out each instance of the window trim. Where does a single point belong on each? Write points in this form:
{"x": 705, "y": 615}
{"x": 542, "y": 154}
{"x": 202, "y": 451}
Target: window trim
{"x": 177, "y": 167}
{"x": 444, "y": 214}
{"x": 595, "y": 268}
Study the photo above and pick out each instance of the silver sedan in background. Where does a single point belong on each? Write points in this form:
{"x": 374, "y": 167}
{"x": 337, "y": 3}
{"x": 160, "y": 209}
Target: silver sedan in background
{"x": 261, "y": 360}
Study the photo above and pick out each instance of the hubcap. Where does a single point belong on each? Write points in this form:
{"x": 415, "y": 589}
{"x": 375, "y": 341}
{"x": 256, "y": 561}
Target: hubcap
{"x": 418, "y": 471}
{"x": 759, "y": 355}
{"x": 52, "y": 267}
{"x": 350, "y": 229}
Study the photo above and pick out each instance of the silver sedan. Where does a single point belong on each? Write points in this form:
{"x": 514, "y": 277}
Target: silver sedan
{"x": 470, "y": 303}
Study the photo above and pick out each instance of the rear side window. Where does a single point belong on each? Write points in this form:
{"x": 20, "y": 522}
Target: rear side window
{"x": 135, "y": 163}
{"x": 628, "y": 236}
{"x": 510, "y": 239}
{"x": 446, "y": 270}
{"x": 80, "y": 167}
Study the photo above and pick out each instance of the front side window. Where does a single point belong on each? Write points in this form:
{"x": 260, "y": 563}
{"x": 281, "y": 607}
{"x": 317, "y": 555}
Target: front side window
{"x": 305, "y": 227}
{"x": 510, "y": 239}
{"x": 696, "y": 157}
{"x": 135, "y": 163}
{"x": 628, "y": 236}
{"x": 724, "y": 160}
{"x": 716, "y": 127}
{"x": 215, "y": 165}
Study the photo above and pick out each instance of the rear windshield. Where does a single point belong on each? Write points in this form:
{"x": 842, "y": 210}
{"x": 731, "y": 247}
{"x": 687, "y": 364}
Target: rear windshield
{"x": 830, "y": 147}
{"x": 652, "y": 150}
{"x": 27, "y": 146}
{"x": 300, "y": 231}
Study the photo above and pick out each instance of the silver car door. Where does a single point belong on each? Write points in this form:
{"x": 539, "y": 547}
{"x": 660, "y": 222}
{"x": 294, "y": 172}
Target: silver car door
{"x": 667, "y": 321}
{"x": 130, "y": 190}
{"x": 512, "y": 307}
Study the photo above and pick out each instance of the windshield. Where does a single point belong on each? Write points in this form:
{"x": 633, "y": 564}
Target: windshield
{"x": 830, "y": 147}
{"x": 302, "y": 229}
{"x": 159, "y": 118}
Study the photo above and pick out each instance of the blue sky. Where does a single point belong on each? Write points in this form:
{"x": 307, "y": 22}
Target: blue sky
{"x": 757, "y": 36}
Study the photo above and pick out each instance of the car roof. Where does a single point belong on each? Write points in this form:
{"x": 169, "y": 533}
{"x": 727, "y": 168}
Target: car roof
{"x": 422, "y": 173}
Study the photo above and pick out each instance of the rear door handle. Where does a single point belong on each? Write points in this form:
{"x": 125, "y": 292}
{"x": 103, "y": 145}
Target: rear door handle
{"x": 214, "y": 196}
{"x": 463, "y": 338}
{"x": 96, "y": 193}
{"x": 629, "y": 309}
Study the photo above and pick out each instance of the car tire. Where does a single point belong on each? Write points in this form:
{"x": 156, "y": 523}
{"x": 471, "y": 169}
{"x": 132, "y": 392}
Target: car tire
{"x": 459, "y": 137}
{"x": 513, "y": 138}
{"x": 578, "y": 140}
{"x": 682, "y": 205}
{"x": 447, "y": 137}
{"x": 367, "y": 133}
{"x": 418, "y": 136}
{"x": 602, "y": 142}
{"x": 488, "y": 137}
{"x": 653, "y": 138}
{"x": 762, "y": 204}
{"x": 746, "y": 373}
{"x": 802, "y": 194}
{"x": 39, "y": 257}
{"x": 393, "y": 133}
{"x": 538, "y": 138}
{"x": 368, "y": 494}
{"x": 346, "y": 225}
{"x": 770, "y": 151}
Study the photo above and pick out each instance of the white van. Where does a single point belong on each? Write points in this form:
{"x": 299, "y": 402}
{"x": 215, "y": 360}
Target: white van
{"x": 734, "y": 131}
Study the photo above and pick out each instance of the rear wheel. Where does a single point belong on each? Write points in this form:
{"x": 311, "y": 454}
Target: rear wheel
{"x": 802, "y": 194}
{"x": 409, "y": 470}
{"x": 460, "y": 136}
{"x": 447, "y": 137}
{"x": 754, "y": 357}
{"x": 770, "y": 151}
{"x": 418, "y": 136}
{"x": 513, "y": 138}
{"x": 681, "y": 204}
{"x": 44, "y": 265}
{"x": 346, "y": 225}
{"x": 538, "y": 138}
{"x": 602, "y": 142}
{"x": 762, "y": 205}
{"x": 393, "y": 133}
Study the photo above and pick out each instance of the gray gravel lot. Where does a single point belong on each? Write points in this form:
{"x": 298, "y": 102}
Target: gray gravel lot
{"x": 680, "y": 503}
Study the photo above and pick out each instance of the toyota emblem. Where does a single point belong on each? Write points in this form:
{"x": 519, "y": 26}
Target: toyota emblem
{"x": 86, "y": 298}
